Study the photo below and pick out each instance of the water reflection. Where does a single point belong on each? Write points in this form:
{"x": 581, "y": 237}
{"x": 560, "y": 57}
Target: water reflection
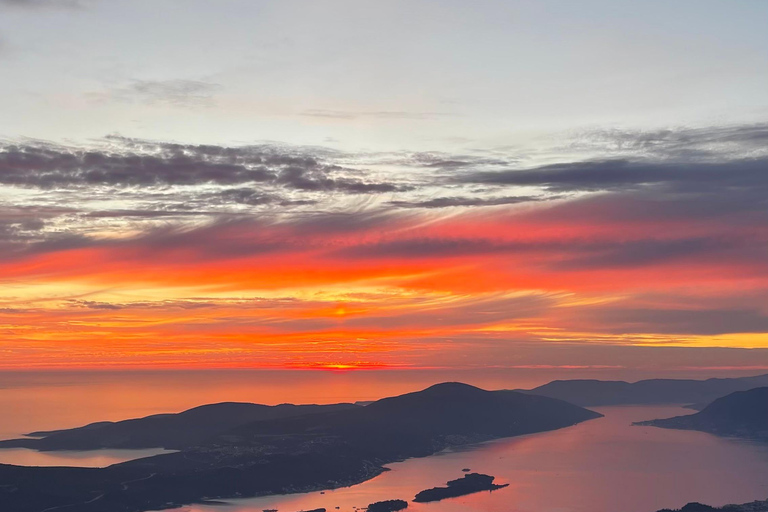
{"x": 81, "y": 459}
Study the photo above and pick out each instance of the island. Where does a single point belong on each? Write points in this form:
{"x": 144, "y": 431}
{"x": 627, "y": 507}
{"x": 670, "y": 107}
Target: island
{"x": 316, "y": 450}
{"x": 742, "y": 414}
{"x": 387, "y": 506}
{"x": 469, "y": 484}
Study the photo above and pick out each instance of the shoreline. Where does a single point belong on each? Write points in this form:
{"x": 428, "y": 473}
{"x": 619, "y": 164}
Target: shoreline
{"x": 381, "y": 470}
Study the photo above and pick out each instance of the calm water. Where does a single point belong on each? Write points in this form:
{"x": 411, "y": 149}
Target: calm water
{"x": 603, "y": 465}
{"x": 86, "y": 459}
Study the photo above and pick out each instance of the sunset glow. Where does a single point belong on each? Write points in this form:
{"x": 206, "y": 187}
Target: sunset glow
{"x": 400, "y": 186}
{"x": 383, "y": 286}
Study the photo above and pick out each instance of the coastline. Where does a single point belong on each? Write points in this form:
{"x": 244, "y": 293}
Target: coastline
{"x": 376, "y": 471}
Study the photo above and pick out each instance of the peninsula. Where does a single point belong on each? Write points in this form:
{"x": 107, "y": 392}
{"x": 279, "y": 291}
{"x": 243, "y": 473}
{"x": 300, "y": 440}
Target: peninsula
{"x": 322, "y": 449}
{"x": 741, "y": 414}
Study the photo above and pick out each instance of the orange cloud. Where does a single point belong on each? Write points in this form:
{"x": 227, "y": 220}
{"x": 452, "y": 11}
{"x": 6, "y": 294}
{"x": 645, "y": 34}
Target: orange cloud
{"x": 398, "y": 291}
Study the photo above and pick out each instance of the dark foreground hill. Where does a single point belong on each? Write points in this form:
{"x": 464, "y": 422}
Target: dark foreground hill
{"x": 313, "y": 451}
{"x": 170, "y": 431}
{"x": 740, "y": 414}
{"x": 421, "y": 423}
{"x": 591, "y": 393}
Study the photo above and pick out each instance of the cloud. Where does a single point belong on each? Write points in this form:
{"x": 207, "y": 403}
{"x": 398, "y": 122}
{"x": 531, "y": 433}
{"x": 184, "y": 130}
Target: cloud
{"x": 646, "y": 252}
{"x": 448, "y": 161}
{"x": 176, "y": 93}
{"x": 247, "y": 196}
{"x": 163, "y": 177}
{"x": 428, "y": 258}
{"x": 138, "y": 164}
{"x": 18, "y": 229}
{"x": 22, "y": 226}
{"x": 680, "y": 143}
{"x": 315, "y": 179}
{"x": 573, "y": 254}
{"x": 626, "y": 175}
{"x": 429, "y": 248}
{"x": 224, "y": 237}
{"x": 676, "y": 320}
{"x": 468, "y": 311}
{"x": 38, "y": 4}
{"x": 105, "y": 214}
{"x": 48, "y": 166}
{"x": 450, "y": 202}
{"x": 380, "y": 115}
{"x": 161, "y": 304}
{"x": 212, "y": 202}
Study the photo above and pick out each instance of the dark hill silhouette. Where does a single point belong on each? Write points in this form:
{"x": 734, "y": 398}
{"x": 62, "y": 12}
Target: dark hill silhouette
{"x": 170, "y": 431}
{"x": 740, "y": 414}
{"x": 415, "y": 424}
{"x": 655, "y": 391}
{"x": 292, "y": 454}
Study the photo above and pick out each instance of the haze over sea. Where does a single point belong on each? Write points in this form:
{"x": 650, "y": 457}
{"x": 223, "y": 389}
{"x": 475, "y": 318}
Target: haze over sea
{"x": 63, "y": 399}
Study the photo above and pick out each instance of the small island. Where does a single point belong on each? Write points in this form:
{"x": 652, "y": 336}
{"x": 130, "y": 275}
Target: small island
{"x": 471, "y": 483}
{"x": 387, "y": 506}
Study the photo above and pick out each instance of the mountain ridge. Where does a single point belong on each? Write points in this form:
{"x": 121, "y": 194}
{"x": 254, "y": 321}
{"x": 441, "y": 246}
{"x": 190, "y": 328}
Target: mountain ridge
{"x": 171, "y": 431}
{"x": 592, "y": 392}
{"x": 740, "y": 414}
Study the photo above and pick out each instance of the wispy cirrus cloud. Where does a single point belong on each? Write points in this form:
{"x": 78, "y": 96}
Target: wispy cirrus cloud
{"x": 454, "y": 202}
{"x": 41, "y": 4}
{"x": 626, "y": 175}
{"x": 716, "y": 142}
{"x": 379, "y": 114}
{"x": 148, "y": 165}
{"x": 175, "y": 93}
{"x": 416, "y": 253}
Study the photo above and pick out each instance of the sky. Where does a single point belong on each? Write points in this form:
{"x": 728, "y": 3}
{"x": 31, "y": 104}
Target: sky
{"x": 400, "y": 184}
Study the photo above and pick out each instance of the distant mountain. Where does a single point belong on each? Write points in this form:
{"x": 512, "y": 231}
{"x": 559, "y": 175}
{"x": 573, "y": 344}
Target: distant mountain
{"x": 590, "y": 393}
{"x": 323, "y": 450}
{"x": 755, "y": 506}
{"x": 740, "y": 414}
{"x": 170, "y": 431}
